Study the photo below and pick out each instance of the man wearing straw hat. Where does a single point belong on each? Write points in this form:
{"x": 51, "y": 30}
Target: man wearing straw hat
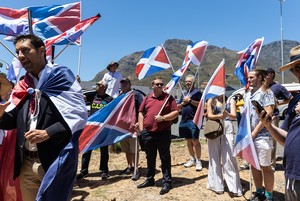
{"x": 112, "y": 78}
{"x": 288, "y": 134}
{"x": 155, "y": 119}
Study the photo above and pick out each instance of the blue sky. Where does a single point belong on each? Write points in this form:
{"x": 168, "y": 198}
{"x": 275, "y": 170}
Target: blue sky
{"x": 130, "y": 26}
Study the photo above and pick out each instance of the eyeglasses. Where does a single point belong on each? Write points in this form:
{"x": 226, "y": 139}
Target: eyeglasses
{"x": 159, "y": 84}
{"x": 296, "y": 69}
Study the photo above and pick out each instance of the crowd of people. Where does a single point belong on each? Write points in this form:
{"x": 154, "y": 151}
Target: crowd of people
{"x": 42, "y": 130}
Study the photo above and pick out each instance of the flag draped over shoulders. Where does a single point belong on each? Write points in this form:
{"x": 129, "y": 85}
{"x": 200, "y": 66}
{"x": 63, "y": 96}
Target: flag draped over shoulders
{"x": 110, "y": 124}
{"x": 9, "y": 187}
{"x": 58, "y": 181}
{"x": 60, "y": 85}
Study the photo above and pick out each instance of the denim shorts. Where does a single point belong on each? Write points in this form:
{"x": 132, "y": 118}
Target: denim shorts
{"x": 188, "y": 130}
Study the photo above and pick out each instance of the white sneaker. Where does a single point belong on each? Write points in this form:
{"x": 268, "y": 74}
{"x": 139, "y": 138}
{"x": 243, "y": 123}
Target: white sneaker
{"x": 198, "y": 165}
{"x": 190, "y": 163}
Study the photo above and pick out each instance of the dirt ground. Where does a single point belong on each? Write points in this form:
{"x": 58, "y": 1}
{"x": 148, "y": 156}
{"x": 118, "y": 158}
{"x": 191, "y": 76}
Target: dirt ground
{"x": 188, "y": 184}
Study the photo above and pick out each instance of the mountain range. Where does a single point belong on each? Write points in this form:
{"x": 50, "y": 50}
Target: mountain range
{"x": 270, "y": 56}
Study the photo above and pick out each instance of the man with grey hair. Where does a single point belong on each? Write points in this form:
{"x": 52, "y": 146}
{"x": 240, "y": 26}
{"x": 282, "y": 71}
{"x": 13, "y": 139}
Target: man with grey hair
{"x": 100, "y": 100}
{"x": 188, "y": 104}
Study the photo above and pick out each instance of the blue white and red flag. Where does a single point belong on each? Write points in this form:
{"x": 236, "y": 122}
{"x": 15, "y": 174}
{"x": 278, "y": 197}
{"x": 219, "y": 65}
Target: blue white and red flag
{"x": 194, "y": 54}
{"x": 13, "y": 22}
{"x": 244, "y": 147}
{"x": 152, "y": 61}
{"x": 214, "y": 87}
{"x": 14, "y": 70}
{"x": 110, "y": 124}
{"x": 58, "y": 181}
{"x": 72, "y": 34}
{"x": 49, "y": 21}
{"x": 247, "y": 60}
{"x": 176, "y": 77}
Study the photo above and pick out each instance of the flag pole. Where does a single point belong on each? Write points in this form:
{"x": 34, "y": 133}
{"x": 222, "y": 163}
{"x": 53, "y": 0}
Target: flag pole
{"x": 164, "y": 104}
{"x": 8, "y": 49}
{"x": 61, "y": 52}
{"x": 136, "y": 153}
{"x": 79, "y": 53}
{"x": 172, "y": 68}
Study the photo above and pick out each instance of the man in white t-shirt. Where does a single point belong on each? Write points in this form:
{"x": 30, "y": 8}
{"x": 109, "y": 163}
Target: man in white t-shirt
{"x": 112, "y": 78}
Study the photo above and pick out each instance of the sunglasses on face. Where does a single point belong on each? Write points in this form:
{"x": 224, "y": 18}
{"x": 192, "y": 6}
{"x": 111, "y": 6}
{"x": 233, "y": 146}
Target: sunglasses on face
{"x": 159, "y": 84}
{"x": 295, "y": 69}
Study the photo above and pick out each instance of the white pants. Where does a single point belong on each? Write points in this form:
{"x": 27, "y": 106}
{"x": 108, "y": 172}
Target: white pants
{"x": 222, "y": 164}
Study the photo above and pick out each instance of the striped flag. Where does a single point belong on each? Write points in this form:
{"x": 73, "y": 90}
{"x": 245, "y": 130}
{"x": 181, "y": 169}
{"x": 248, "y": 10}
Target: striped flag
{"x": 214, "y": 87}
{"x": 110, "y": 124}
{"x": 247, "y": 60}
{"x": 13, "y": 22}
{"x": 152, "y": 61}
{"x": 244, "y": 147}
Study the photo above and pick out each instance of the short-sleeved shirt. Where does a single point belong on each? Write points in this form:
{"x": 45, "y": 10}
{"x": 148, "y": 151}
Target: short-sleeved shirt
{"x": 280, "y": 92}
{"x": 151, "y": 107}
{"x": 264, "y": 98}
{"x": 113, "y": 83}
{"x": 291, "y": 156}
{"x": 189, "y": 110}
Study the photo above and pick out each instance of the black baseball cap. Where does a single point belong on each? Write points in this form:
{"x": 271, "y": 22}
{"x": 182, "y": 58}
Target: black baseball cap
{"x": 125, "y": 79}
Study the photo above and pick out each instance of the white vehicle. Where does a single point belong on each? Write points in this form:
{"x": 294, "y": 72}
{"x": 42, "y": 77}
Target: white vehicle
{"x": 293, "y": 88}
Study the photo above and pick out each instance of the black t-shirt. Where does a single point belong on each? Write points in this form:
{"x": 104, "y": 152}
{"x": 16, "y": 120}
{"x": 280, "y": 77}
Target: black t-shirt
{"x": 99, "y": 102}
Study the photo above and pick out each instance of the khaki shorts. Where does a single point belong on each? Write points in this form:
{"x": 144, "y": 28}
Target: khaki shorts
{"x": 128, "y": 145}
{"x": 263, "y": 147}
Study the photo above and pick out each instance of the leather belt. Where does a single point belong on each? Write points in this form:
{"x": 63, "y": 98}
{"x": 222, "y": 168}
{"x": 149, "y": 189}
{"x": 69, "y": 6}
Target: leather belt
{"x": 31, "y": 154}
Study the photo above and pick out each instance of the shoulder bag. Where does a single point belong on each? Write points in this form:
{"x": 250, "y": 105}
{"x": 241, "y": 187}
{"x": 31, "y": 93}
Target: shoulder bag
{"x": 213, "y": 129}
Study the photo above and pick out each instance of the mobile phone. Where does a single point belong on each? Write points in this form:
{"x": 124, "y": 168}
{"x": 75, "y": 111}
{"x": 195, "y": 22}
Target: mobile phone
{"x": 260, "y": 109}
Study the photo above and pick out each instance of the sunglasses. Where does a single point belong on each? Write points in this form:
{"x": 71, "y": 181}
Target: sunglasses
{"x": 295, "y": 69}
{"x": 159, "y": 84}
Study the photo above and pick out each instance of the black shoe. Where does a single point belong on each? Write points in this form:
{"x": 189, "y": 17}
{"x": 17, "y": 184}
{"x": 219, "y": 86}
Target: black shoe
{"x": 136, "y": 176}
{"x": 104, "y": 176}
{"x": 81, "y": 175}
{"x": 165, "y": 189}
{"x": 146, "y": 183}
{"x": 258, "y": 197}
{"x": 127, "y": 171}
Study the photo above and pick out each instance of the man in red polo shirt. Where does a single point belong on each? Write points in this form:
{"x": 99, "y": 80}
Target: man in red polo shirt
{"x": 156, "y": 113}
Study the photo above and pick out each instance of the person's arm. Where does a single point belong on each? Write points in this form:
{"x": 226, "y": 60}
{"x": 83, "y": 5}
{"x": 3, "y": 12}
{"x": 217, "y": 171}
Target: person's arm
{"x": 269, "y": 109}
{"x": 210, "y": 112}
{"x": 141, "y": 121}
{"x": 277, "y": 133}
{"x": 284, "y": 101}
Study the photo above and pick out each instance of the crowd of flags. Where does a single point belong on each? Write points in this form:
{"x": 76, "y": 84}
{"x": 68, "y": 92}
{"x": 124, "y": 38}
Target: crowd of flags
{"x": 62, "y": 25}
